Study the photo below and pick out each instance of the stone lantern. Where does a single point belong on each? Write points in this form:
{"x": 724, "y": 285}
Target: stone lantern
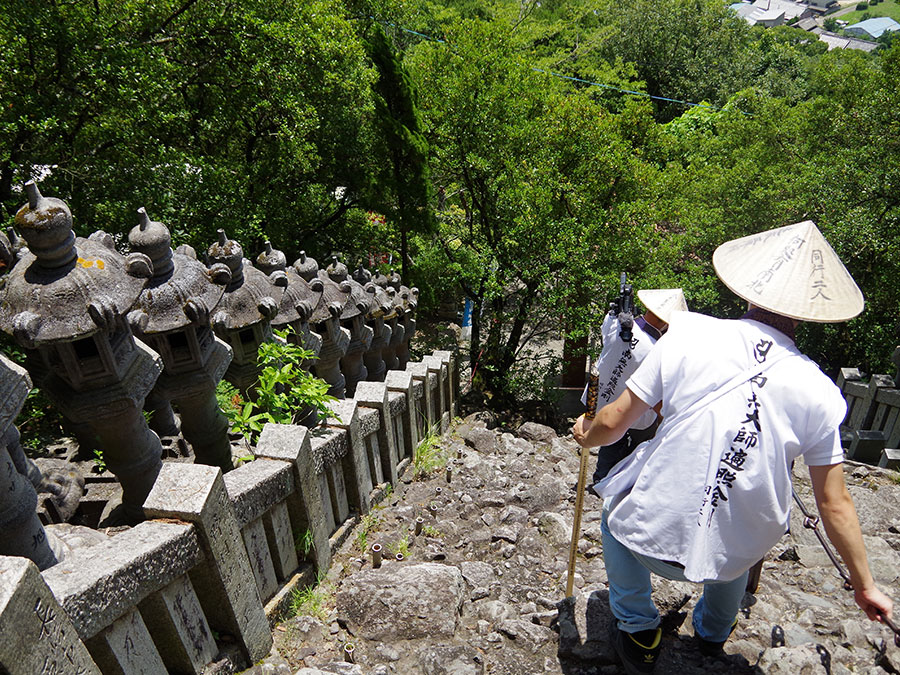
{"x": 172, "y": 316}
{"x": 392, "y": 323}
{"x": 65, "y": 302}
{"x": 326, "y": 321}
{"x": 361, "y": 275}
{"x": 23, "y": 533}
{"x": 298, "y": 302}
{"x": 353, "y": 318}
{"x": 244, "y": 314}
{"x": 406, "y": 300}
{"x": 382, "y": 314}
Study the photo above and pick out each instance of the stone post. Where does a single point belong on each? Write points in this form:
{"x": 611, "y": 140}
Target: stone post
{"x": 290, "y": 443}
{"x": 196, "y": 494}
{"x": 419, "y": 372}
{"x": 863, "y": 412}
{"x": 258, "y": 491}
{"x": 402, "y": 382}
{"x": 38, "y": 636}
{"x": 355, "y": 463}
{"x": 439, "y": 374}
{"x": 376, "y": 395}
{"x": 451, "y": 386}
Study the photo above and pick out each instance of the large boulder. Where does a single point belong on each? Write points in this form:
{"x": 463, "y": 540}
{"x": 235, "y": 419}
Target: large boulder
{"x": 536, "y": 433}
{"x": 482, "y": 440}
{"x": 402, "y": 601}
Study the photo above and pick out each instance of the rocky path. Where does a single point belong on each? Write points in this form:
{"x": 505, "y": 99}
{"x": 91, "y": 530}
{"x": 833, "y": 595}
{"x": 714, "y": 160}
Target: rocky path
{"x": 479, "y": 588}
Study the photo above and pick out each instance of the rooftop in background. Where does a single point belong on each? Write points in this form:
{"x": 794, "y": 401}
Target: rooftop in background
{"x": 874, "y": 27}
{"x": 770, "y": 12}
{"x": 835, "y": 41}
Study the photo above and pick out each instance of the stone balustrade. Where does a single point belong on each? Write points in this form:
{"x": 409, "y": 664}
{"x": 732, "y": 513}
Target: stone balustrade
{"x": 871, "y": 429}
{"x": 172, "y": 592}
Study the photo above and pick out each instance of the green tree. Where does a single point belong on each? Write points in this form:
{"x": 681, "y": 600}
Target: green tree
{"x": 403, "y": 187}
{"x": 682, "y": 49}
{"x": 246, "y": 115}
{"x": 535, "y": 175}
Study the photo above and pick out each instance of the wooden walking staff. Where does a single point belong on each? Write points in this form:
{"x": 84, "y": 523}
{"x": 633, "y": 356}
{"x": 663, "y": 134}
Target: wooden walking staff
{"x": 592, "y": 394}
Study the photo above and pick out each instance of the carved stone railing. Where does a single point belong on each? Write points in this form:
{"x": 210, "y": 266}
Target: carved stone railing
{"x": 871, "y": 428}
{"x": 171, "y": 593}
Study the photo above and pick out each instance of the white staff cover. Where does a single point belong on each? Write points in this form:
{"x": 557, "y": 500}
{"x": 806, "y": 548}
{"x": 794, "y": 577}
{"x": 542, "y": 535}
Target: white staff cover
{"x": 792, "y": 271}
{"x": 663, "y": 301}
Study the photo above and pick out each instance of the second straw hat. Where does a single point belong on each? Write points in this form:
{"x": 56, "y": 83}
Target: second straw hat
{"x": 792, "y": 271}
{"x": 663, "y": 301}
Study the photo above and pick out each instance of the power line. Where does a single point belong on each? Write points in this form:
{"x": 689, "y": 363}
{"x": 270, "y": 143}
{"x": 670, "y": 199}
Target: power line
{"x": 625, "y": 91}
{"x": 576, "y": 79}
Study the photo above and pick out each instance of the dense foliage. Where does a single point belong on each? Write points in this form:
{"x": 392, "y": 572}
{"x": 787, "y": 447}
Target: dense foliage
{"x": 526, "y": 152}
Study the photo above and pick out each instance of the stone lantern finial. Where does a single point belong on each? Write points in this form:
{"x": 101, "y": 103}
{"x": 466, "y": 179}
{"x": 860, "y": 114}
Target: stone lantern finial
{"x": 337, "y": 271}
{"x": 271, "y": 260}
{"x": 306, "y": 267}
{"x": 46, "y": 225}
{"x": 228, "y": 252}
{"x": 362, "y": 275}
{"x": 153, "y": 240}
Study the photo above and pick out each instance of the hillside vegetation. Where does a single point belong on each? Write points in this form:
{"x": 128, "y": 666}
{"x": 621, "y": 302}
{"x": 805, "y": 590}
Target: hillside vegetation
{"x": 523, "y": 153}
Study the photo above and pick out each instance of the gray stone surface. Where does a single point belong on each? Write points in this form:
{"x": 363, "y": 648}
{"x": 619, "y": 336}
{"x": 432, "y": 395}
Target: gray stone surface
{"x": 38, "y": 636}
{"x": 23, "y": 533}
{"x": 376, "y": 395}
{"x": 553, "y": 526}
{"x": 99, "y": 584}
{"x": 402, "y": 601}
{"x": 127, "y": 647}
{"x": 15, "y": 384}
{"x": 451, "y": 384}
{"x": 179, "y": 626}
{"x": 401, "y": 382}
{"x": 482, "y": 440}
{"x": 355, "y": 463}
{"x": 254, "y": 535}
{"x": 509, "y": 615}
{"x": 256, "y": 487}
{"x": 537, "y": 433}
{"x": 419, "y": 372}
{"x": 478, "y": 574}
{"x": 197, "y": 494}
{"x": 451, "y": 660}
{"x": 306, "y": 505}
{"x": 277, "y": 523}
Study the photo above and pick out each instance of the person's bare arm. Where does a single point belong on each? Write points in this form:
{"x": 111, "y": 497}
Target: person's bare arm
{"x": 611, "y": 422}
{"x": 842, "y": 526}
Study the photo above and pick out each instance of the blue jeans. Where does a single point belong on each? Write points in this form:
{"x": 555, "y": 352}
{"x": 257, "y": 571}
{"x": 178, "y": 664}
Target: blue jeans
{"x": 629, "y": 592}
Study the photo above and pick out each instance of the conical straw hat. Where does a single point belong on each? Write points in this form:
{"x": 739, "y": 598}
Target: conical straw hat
{"x": 791, "y": 271}
{"x": 663, "y": 301}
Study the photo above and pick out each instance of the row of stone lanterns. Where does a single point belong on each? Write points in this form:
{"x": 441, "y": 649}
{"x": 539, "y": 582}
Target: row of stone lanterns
{"x": 76, "y": 306}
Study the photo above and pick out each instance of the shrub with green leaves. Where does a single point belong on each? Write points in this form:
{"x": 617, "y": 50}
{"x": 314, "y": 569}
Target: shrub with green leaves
{"x": 285, "y": 391}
